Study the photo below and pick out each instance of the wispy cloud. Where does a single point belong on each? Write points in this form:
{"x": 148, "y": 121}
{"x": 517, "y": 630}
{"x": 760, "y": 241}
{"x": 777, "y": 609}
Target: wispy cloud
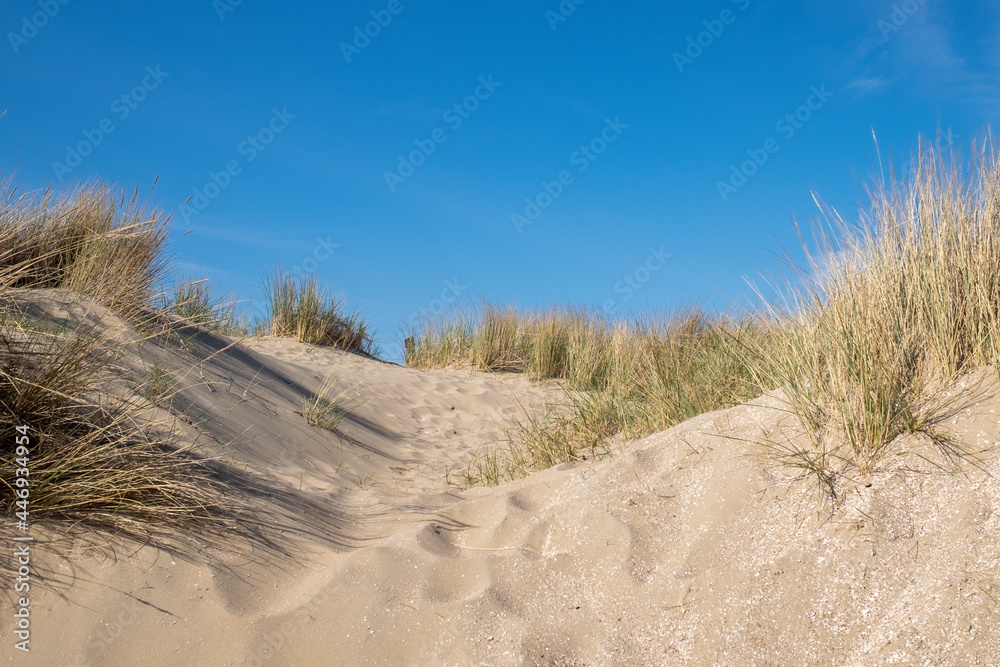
{"x": 930, "y": 51}
{"x": 268, "y": 240}
{"x": 868, "y": 84}
{"x": 201, "y": 270}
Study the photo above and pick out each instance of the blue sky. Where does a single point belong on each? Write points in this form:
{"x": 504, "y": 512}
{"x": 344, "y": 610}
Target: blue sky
{"x": 537, "y": 152}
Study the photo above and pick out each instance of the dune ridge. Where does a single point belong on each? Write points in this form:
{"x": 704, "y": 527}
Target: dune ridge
{"x": 688, "y": 547}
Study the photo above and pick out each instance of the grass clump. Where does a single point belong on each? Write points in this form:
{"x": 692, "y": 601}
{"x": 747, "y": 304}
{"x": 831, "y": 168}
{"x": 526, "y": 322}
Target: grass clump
{"x": 91, "y": 241}
{"x": 622, "y": 380}
{"x": 93, "y": 460}
{"x": 305, "y": 310}
{"x": 895, "y": 309}
{"x": 326, "y": 409}
{"x": 196, "y": 302}
{"x": 866, "y": 341}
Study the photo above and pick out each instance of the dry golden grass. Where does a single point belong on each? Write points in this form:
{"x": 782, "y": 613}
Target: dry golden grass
{"x": 328, "y": 406}
{"x": 886, "y": 315}
{"x": 894, "y": 309}
{"x": 304, "y": 309}
{"x": 196, "y": 302}
{"x": 622, "y": 380}
{"x": 95, "y": 460}
{"x": 90, "y": 241}
{"x": 92, "y": 461}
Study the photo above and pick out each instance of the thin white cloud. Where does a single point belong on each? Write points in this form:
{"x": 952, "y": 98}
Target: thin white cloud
{"x": 203, "y": 270}
{"x": 256, "y": 238}
{"x": 868, "y": 84}
{"x": 924, "y": 51}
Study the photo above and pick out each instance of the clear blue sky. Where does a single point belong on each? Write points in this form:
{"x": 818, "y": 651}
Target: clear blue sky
{"x": 618, "y": 100}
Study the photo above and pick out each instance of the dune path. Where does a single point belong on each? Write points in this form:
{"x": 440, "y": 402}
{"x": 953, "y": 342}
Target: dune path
{"x": 687, "y": 547}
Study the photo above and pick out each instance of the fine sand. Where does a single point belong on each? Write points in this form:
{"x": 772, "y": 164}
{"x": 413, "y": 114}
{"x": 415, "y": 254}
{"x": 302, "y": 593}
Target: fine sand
{"x": 687, "y": 547}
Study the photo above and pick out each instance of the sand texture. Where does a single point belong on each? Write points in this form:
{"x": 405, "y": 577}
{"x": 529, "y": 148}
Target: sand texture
{"x": 687, "y": 547}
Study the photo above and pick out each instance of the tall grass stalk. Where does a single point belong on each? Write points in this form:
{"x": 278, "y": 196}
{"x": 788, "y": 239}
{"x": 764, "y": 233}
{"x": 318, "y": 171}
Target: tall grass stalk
{"x": 302, "y": 308}
{"x": 894, "y": 309}
{"x": 865, "y": 341}
{"x": 196, "y": 302}
{"x": 92, "y": 241}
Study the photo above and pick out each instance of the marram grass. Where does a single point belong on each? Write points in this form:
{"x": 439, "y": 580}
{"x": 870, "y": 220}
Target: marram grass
{"x": 887, "y": 314}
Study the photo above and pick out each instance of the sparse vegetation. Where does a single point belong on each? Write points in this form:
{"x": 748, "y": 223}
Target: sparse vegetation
{"x": 887, "y": 313}
{"x": 327, "y": 407}
{"x": 155, "y": 384}
{"x": 90, "y": 241}
{"x": 302, "y": 308}
{"x": 196, "y": 302}
{"x": 92, "y": 460}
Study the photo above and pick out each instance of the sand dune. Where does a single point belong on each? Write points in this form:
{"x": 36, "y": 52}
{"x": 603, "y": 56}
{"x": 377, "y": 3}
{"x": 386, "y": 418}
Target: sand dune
{"x": 687, "y": 547}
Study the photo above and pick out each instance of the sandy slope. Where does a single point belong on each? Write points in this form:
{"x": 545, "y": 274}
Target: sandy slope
{"x": 687, "y": 548}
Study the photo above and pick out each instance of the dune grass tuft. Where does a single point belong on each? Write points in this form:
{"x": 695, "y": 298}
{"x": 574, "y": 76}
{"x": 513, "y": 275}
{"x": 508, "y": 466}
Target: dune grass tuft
{"x": 91, "y": 241}
{"x": 92, "y": 460}
{"x": 302, "y": 308}
{"x": 327, "y": 407}
{"x": 196, "y": 302}
{"x": 895, "y": 309}
{"x": 867, "y": 338}
{"x": 621, "y": 379}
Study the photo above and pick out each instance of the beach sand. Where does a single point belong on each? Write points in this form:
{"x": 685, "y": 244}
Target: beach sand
{"x": 687, "y": 547}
